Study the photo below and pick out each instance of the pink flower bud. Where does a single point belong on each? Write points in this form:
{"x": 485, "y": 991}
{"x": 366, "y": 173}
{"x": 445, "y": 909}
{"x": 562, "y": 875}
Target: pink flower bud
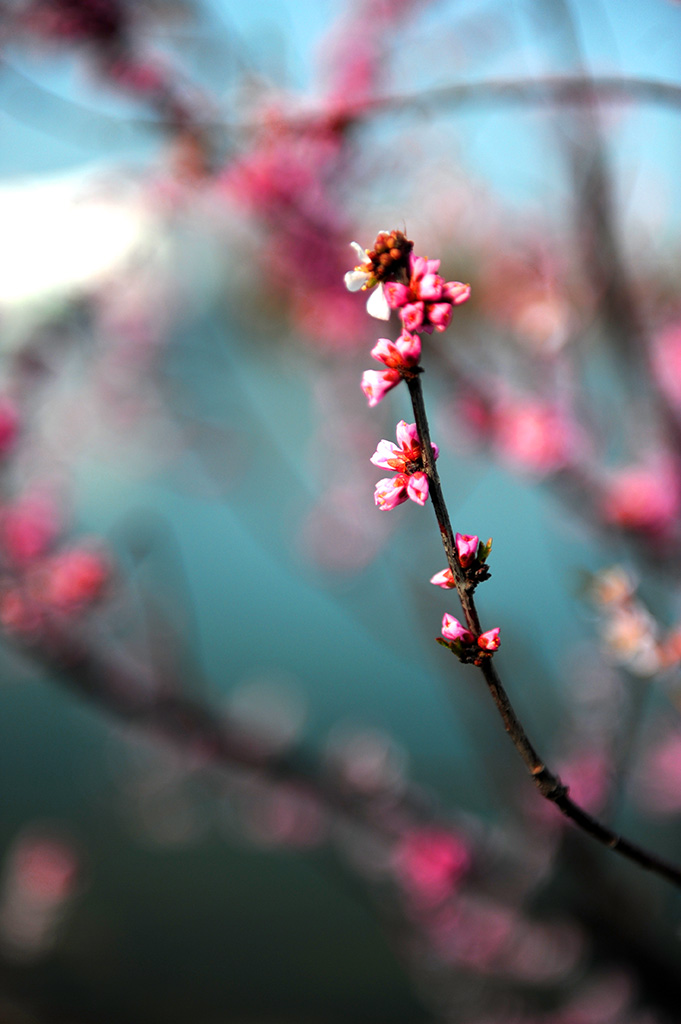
{"x": 444, "y": 579}
{"x": 440, "y": 315}
{"x": 412, "y": 316}
{"x": 75, "y": 577}
{"x": 453, "y": 630}
{"x": 409, "y": 347}
{"x": 466, "y": 548}
{"x": 420, "y": 266}
{"x": 377, "y": 383}
{"x": 456, "y": 292}
{"x": 430, "y": 288}
{"x": 391, "y": 492}
{"x": 28, "y": 528}
{"x": 397, "y": 294}
{"x": 9, "y": 424}
{"x": 489, "y": 641}
{"x": 417, "y": 488}
{"x": 387, "y": 456}
{"x": 407, "y": 435}
{"x": 398, "y": 355}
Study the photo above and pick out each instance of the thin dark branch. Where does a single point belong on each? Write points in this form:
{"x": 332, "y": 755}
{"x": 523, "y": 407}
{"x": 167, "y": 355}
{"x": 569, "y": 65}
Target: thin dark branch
{"x": 548, "y": 784}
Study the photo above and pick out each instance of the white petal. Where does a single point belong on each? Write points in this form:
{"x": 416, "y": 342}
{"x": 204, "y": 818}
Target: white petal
{"x": 355, "y": 279}
{"x": 377, "y": 305}
{"x": 360, "y": 253}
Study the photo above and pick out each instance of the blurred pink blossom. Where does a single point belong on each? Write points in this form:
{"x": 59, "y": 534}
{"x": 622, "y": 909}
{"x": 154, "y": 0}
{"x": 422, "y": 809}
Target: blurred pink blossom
{"x": 28, "y": 527}
{"x": 9, "y": 424}
{"x": 666, "y": 362}
{"x": 658, "y": 782}
{"x": 73, "y": 578}
{"x": 646, "y": 498}
{"x": 429, "y": 864}
{"x": 534, "y": 437}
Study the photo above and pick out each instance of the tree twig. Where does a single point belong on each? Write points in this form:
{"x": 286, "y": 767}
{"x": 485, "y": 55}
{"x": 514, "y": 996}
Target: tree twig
{"x": 548, "y": 784}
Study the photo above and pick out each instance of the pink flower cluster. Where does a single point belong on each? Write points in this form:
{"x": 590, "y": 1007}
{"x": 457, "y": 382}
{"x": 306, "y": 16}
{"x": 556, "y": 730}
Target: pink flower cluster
{"x": 470, "y": 552}
{"x": 407, "y": 460}
{"x": 412, "y": 286}
{"x": 399, "y": 357}
{"x": 425, "y": 302}
{"x": 37, "y": 580}
{"x": 453, "y": 630}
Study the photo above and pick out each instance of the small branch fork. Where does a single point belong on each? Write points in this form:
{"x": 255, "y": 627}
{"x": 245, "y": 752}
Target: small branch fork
{"x": 548, "y": 784}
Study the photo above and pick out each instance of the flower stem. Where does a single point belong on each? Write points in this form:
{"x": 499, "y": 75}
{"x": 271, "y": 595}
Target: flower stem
{"x": 548, "y": 784}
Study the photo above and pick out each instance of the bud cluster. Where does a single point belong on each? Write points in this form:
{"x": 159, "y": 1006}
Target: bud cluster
{"x": 424, "y": 301}
{"x": 472, "y": 555}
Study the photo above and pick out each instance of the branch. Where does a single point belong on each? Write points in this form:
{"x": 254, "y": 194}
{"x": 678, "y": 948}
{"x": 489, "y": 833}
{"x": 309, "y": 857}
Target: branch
{"x": 548, "y": 784}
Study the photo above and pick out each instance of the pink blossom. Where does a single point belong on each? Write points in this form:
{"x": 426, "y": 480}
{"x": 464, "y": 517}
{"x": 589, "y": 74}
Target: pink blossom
{"x": 645, "y": 498}
{"x": 489, "y": 640}
{"x": 444, "y": 579}
{"x": 466, "y": 548}
{"x": 658, "y": 785}
{"x": 413, "y": 315}
{"x": 429, "y": 864}
{"x": 453, "y": 630}
{"x": 404, "y": 353}
{"x": 417, "y": 488}
{"x": 377, "y": 383}
{"x": 456, "y": 292}
{"x": 9, "y": 424}
{"x": 391, "y": 492}
{"x": 394, "y": 490}
{"x": 408, "y": 457}
{"x": 27, "y": 528}
{"x": 439, "y": 315}
{"x": 534, "y": 437}
{"x": 667, "y": 362}
{"x": 18, "y": 614}
{"x": 426, "y": 302}
{"x": 73, "y": 578}
{"x": 397, "y": 294}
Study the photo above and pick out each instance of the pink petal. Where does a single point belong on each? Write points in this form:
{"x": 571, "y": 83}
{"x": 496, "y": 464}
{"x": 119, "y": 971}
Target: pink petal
{"x": 430, "y": 288}
{"x": 444, "y": 579}
{"x": 407, "y": 434}
{"x": 457, "y": 292}
{"x": 489, "y": 640}
{"x": 466, "y": 548}
{"x": 409, "y": 347}
{"x": 412, "y": 316}
{"x": 376, "y": 384}
{"x": 384, "y": 454}
{"x": 440, "y": 314}
{"x": 417, "y": 488}
{"x": 390, "y": 492}
{"x": 385, "y": 351}
{"x": 453, "y": 630}
{"x": 396, "y": 294}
